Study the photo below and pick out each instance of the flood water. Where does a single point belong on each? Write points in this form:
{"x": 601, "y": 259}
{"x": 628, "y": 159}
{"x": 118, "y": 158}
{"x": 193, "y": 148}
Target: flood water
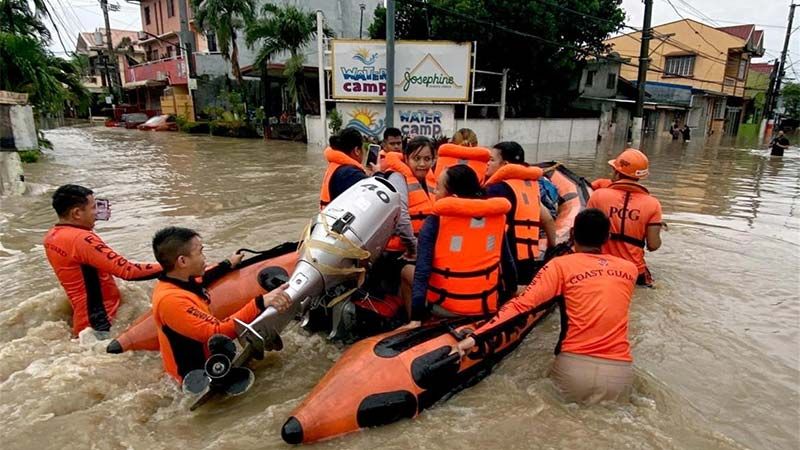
{"x": 716, "y": 344}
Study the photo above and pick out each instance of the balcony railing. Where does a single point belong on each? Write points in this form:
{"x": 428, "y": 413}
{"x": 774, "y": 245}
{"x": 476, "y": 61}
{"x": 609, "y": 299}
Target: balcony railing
{"x": 171, "y": 70}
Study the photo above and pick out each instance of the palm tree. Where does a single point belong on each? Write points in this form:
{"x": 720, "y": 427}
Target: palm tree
{"x": 285, "y": 28}
{"x": 27, "y": 66}
{"x": 225, "y": 18}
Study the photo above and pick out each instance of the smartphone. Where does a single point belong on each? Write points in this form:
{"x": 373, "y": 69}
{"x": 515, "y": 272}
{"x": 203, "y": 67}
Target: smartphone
{"x": 372, "y": 156}
{"x": 103, "y": 209}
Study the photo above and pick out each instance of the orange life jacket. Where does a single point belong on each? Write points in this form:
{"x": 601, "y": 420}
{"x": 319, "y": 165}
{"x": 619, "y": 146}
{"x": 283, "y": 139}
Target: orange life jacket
{"x": 451, "y": 154}
{"x": 526, "y": 215}
{"x": 335, "y": 160}
{"x": 631, "y": 209}
{"x": 601, "y": 183}
{"x": 184, "y": 324}
{"x": 86, "y": 267}
{"x": 420, "y": 202}
{"x": 465, "y": 277}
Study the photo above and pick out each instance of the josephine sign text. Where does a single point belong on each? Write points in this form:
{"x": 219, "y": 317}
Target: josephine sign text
{"x": 424, "y": 71}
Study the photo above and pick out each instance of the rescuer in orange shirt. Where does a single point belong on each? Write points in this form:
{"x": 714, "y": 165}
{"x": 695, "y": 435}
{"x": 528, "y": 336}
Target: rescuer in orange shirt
{"x": 181, "y": 305}
{"x": 635, "y": 214}
{"x": 84, "y": 265}
{"x": 593, "y": 359}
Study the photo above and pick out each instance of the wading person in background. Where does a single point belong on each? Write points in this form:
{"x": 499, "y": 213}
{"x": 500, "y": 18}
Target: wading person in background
{"x": 635, "y": 214}
{"x": 84, "y": 265}
{"x": 593, "y": 360}
{"x": 779, "y": 144}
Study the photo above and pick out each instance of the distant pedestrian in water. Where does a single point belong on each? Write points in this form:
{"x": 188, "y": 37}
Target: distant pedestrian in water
{"x": 675, "y": 131}
{"x": 779, "y": 144}
{"x": 687, "y": 133}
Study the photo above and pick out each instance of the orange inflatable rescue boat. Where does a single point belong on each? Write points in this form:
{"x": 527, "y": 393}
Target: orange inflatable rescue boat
{"x": 254, "y": 276}
{"x": 406, "y": 371}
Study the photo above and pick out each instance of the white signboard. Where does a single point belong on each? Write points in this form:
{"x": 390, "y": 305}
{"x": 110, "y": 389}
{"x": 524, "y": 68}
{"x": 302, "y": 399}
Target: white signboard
{"x": 424, "y": 70}
{"x": 412, "y": 120}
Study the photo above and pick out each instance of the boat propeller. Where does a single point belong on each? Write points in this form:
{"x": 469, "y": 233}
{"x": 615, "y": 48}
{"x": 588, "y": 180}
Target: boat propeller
{"x": 219, "y": 375}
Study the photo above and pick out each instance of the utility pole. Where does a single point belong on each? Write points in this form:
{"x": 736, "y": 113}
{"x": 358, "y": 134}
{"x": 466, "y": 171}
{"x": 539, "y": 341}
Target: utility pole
{"x": 361, "y": 22}
{"x": 389, "y": 63}
{"x": 644, "y": 63}
{"x": 115, "y": 81}
{"x": 776, "y": 91}
{"x": 773, "y": 74}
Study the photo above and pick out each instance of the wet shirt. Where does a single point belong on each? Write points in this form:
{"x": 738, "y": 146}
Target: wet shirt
{"x": 631, "y": 210}
{"x": 85, "y": 267}
{"x": 184, "y": 323}
{"x": 343, "y": 178}
{"x": 776, "y": 149}
{"x": 594, "y": 292}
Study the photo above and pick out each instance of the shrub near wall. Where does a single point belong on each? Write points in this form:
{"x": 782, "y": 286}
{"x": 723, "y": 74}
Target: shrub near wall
{"x": 195, "y": 127}
{"x": 234, "y": 128}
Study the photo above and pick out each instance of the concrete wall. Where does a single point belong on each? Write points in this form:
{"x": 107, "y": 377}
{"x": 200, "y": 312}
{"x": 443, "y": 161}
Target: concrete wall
{"x": 524, "y": 131}
{"x": 11, "y": 174}
{"x": 23, "y": 127}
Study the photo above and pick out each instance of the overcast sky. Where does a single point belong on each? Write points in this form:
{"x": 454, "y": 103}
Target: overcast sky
{"x": 769, "y": 15}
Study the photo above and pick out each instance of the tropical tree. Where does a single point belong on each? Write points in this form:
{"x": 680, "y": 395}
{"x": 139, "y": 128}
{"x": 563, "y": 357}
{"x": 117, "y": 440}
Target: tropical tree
{"x": 791, "y": 99}
{"x": 543, "y": 43}
{"x": 285, "y": 29}
{"x": 225, "y": 18}
{"x": 27, "y": 66}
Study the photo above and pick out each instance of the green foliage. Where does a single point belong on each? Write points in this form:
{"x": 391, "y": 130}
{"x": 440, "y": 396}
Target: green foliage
{"x": 43, "y": 141}
{"x": 791, "y": 99}
{"x": 195, "y": 127}
{"x": 29, "y": 156}
{"x": 334, "y": 121}
{"x": 26, "y": 65}
{"x": 225, "y": 18}
{"x": 233, "y": 128}
{"x": 285, "y": 28}
{"x": 540, "y": 73}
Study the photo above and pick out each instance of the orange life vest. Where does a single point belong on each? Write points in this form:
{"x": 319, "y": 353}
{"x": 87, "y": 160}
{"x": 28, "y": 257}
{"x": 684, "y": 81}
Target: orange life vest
{"x": 631, "y": 209}
{"x": 184, "y": 324}
{"x": 465, "y": 275}
{"x": 526, "y": 215}
{"x": 601, "y": 183}
{"x": 335, "y": 160}
{"x": 420, "y": 202}
{"x": 451, "y": 154}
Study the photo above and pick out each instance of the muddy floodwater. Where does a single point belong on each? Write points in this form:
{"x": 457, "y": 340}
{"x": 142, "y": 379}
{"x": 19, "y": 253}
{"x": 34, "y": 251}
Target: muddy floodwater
{"x": 716, "y": 344}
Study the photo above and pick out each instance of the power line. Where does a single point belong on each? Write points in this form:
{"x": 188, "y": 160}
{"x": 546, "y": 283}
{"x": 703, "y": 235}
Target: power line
{"x": 693, "y": 29}
{"x": 691, "y": 9}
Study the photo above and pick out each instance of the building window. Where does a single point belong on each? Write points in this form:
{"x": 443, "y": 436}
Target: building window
{"x": 169, "y": 52}
{"x": 170, "y": 8}
{"x": 611, "y": 82}
{"x": 742, "y": 69}
{"x": 147, "y": 15}
{"x": 212, "y": 42}
{"x": 590, "y": 77}
{"x": 681, "y": 66}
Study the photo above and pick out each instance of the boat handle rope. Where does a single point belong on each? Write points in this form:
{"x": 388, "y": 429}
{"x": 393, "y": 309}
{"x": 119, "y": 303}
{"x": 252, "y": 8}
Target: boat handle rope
{"x": 352, "y": 252}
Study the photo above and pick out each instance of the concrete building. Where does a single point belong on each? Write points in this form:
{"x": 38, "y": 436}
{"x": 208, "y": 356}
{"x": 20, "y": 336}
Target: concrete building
{"x": 92, "y": 45}
{"x": 697, "y": 75}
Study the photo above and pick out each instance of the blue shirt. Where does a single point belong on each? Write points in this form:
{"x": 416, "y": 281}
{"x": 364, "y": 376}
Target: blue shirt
{"x": 426, "y": 242}
{"x": 343, "y": 178}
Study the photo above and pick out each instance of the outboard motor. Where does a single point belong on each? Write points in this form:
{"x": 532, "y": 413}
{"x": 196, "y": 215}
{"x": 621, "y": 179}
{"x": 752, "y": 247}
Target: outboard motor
{"x": 339, "y": 245}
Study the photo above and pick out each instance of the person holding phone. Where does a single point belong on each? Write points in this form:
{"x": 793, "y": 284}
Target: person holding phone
{"x": 84, "y": 264}
{"x": 344, "y": 158}
{"x": 410, "y": 173}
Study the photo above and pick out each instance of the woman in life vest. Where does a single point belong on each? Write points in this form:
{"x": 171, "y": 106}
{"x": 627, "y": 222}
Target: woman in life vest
{"x": 635, "y": 215}
{"x": 465, "y": 137}
{"x": 464, "y": 264}
{"x": 410, "y": 173}
{"x": 511, "y": 178}
{"x": 344, "y": 165}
